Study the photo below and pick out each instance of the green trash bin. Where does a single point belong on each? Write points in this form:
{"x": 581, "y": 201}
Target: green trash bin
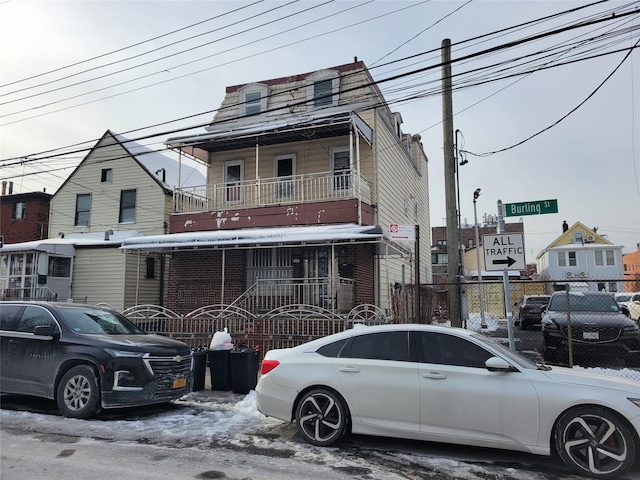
{"x": 244, "y": 369}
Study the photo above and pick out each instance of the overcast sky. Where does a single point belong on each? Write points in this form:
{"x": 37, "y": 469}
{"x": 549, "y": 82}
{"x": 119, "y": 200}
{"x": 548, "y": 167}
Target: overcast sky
{"x": 62, "y": 86}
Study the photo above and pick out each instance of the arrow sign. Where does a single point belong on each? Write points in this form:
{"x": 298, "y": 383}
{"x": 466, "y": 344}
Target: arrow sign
{"x": 508, "y": 261}
{"x": 504, "y": 251}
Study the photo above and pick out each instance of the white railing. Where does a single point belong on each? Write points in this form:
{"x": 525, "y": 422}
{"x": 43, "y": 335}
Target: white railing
{"x": 296, "y": 189}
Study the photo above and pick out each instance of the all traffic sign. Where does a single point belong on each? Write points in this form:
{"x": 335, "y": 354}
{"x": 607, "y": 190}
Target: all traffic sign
{"x": 504, "y": 251}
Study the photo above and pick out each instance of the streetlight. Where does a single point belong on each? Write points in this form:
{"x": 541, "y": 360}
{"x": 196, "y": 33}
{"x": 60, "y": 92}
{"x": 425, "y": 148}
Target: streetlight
{"x": 476, "y": 194}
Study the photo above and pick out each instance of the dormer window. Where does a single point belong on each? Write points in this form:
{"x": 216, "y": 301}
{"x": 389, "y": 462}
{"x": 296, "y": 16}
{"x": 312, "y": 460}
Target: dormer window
{"x": 253, "y": 99}
{"x": 322, "y": 88}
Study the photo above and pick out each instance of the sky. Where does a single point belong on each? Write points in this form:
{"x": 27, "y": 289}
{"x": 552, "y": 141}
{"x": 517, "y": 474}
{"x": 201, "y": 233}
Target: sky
{"x": 221, "y": 418}
{"x": 561, "y": 109}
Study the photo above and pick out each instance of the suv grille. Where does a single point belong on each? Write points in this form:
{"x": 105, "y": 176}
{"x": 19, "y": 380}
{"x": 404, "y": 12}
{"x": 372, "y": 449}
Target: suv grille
{"x": 166, "y": 369}
{"x": 605, "y": 334}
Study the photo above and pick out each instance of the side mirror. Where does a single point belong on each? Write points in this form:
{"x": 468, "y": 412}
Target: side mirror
{"x": 543, "y": 308}
{"x": 45, "y": 331}
{"x": 625, "y": 310}
{"x": 497, "y": 364}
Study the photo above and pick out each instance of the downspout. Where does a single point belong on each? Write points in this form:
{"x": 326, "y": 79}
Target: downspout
{"x": 258, "y": 194}
{"x": 179, "y": 168}
{"x": 162, "y": 268}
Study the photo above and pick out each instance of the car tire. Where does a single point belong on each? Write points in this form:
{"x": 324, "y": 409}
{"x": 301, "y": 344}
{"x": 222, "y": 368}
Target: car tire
{"x": 78, "y": 393}
{"x": 321, "y": 417}
{"x": 593, "y": 441}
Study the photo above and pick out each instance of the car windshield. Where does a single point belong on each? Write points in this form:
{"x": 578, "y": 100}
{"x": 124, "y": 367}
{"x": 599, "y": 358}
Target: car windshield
{"x": 93, "y": 321}
{"x": 581, "y": 302}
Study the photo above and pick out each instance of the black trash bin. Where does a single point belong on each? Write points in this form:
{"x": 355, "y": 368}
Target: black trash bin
{"x": 199, "y": 368}
{"x": 220, "y": 369}
{"x": 244, "y": 369}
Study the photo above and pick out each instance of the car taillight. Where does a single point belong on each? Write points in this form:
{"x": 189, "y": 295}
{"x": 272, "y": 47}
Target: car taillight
{"x": 268, "y": 365}
{"x": 526, "y": 307}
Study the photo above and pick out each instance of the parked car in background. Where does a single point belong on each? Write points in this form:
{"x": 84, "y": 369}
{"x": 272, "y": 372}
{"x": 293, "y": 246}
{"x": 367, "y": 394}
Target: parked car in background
{"x": 597, "y": 326}
{"x": 426, "y": 382}
{"x": 527, "y": 312}
{"x": 631, "y": 302}
{"x": 87, "y": 358}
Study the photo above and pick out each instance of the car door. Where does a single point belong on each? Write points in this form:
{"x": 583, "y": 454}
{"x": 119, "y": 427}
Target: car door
{"x": 463, "y": 402}
{"x": 8, "y": 367}
{"x": 379, "y": 381}
{"x": 35, "y": 357}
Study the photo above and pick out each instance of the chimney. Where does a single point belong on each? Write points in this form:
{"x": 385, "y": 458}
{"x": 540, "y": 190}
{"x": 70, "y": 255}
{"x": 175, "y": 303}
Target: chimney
{"x": 10, "y": 188}
{"x": 565, "y": 227}
{"x": 4, "y": 187}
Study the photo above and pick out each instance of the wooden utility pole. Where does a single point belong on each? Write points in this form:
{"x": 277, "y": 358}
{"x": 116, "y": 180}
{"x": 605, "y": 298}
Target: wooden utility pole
{"x": 453, "y": 249}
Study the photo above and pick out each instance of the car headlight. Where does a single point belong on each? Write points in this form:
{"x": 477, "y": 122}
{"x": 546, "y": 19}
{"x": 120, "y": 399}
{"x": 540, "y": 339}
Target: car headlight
{"x": 123, "y": 353}
{"x": 549, "y": 325}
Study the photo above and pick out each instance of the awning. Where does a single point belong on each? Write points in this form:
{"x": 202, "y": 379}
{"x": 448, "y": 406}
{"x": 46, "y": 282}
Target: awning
{"x": 266, "y": 237}
{"x": 292, "y": 129}
{"x": 67, "y": 245}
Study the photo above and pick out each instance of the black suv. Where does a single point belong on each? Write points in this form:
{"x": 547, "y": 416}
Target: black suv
{"x": 597, "y": 328}
{"x": 87, "y": 358}
{"x": 529, "y": 310}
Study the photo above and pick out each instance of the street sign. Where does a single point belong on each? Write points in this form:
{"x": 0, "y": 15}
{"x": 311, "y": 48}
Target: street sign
{"x": 402, "y": 233}
{"x": 504, "y": 251}
{"x": 537, "y": 207}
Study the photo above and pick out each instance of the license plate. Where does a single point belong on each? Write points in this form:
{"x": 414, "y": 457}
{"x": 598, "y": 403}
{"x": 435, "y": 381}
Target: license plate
{"x": 179, "y": 383}
{"x": 590, "y": 335}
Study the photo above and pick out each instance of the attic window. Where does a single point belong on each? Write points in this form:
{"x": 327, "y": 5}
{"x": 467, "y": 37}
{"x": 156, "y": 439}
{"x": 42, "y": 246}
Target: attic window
{"x": 107, "y": 175}
{"x": 253, "y": 98}
{"x": 578, "y": 236}
{"x": 322, "y": 88}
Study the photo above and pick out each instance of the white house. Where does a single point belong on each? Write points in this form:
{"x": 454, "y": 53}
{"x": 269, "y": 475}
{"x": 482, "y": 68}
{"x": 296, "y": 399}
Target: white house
{"x": 583, "y": 259}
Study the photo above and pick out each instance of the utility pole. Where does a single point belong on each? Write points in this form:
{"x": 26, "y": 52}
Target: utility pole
{"x": 453, "y": 251}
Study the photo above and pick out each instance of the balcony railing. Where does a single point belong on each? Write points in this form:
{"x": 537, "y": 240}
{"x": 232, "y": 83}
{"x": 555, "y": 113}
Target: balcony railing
{"x": 261, "y": 192}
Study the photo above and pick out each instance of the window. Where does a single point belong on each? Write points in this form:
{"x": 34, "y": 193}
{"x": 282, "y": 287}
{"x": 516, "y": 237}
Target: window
{"x": 322, "y": 88}
{"x": 33, "y": 317}
{"x": 253, "y": 98}
{"x": 284, "y": 166}
{"x": 578, "y": 236}
{"x": 445, "y": 349}
{"x": 603, "y": 257}
{"x": 252, "y": 103}
{"x": 562, "y": 259}
{"x": 59, "y": 267}
{"x": 322, "y": 93}
{"x": 572, "y": 259}
{"x": 83, "y": 209}
{"x": 106, "y": 176}
{"x": 233, "y": 175}
{"x": 340, "y": 165}
{"x": 381, "y": 346}
{"x": 19, "y": 210}
{"x": 151, "y": 267}
{"x": 127, "y": 206}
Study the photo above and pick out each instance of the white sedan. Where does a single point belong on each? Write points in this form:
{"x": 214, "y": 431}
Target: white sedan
{"x": 451, "y": 385}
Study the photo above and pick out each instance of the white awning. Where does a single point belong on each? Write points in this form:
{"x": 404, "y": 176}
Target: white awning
{"x": 67, "y": 245}
{"x": 267, "y": 237}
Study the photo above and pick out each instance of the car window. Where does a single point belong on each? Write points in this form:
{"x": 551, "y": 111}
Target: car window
{"x": 538, "y": 300}
{"x": 33, "y": 317}
{"x": 381, "y": 346}
{"x": 444, "y": 349}
{"x": 332, "y": 349}
{"x": 9, "y": 316}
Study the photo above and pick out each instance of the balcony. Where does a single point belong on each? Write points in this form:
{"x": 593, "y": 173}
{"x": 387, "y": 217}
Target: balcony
{"x": 270, "y": 192}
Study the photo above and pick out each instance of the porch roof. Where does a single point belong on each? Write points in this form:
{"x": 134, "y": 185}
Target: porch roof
{"x": 66, "y": 245}
{"x": 290, "y": 129}
{"x": 266, "y": 237}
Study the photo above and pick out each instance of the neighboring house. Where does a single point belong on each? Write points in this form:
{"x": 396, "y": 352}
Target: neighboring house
{"x": 631, "y": 267}
{"x": 120, "y": 189}
{"x": 583, "y": 259}
{"x": 23, "y": 216}
{"x": 306, "y": 174}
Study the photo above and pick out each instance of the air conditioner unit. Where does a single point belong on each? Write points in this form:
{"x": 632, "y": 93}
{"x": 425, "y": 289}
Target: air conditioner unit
{"x": 590, "y": 239}
{"x": 583, "y": 274}
{"x": 569, "y": 274}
